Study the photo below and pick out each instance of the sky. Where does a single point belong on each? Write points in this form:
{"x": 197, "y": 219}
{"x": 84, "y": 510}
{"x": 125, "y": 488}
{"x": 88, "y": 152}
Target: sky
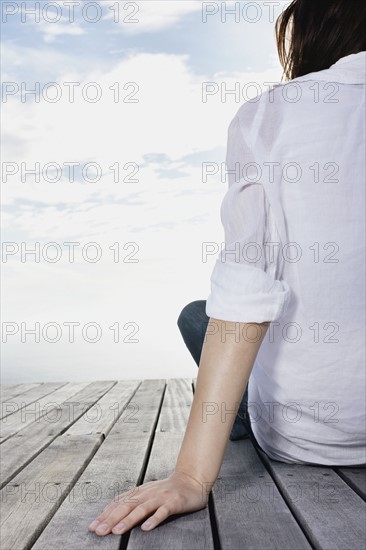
{"x": 114, "y": 128}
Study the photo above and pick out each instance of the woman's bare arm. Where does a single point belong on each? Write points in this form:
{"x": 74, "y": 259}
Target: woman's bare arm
{"x": 226, "y": 362}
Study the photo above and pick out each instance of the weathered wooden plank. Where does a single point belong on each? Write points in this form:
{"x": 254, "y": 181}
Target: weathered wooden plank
{"x": 176, "y": 406}
{"x": 12, "y": 390}
{"x": 13, "y": 405}
{"x": 117, "y": 466}
{"x": 8, "y": 389}
{"x": 250, "y": 511}
{"x": 356, "y": 478}
{"x": 184, "y": 530}
{"x": 54, "y": 471}
{"x": 35, "y": 493}
{"x": 24, "y": 446}
{"x": 42, "y": 407}
{"x": 331, "y": 514}
{"x": 106, "y": 411}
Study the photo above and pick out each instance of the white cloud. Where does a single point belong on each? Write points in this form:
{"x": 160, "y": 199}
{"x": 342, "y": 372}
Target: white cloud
{"x": 152, "y": 15}
{"x": 169, "y": 117}
{"x": 41, "y": 64}
{"x": 51, "y": 30}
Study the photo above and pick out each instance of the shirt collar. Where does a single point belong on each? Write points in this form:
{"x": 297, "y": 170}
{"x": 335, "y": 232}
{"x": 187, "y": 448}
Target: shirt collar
{"x": 350, "y": 69}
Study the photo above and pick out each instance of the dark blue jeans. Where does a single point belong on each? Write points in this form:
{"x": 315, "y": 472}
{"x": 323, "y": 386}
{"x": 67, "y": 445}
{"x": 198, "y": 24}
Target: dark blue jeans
{"x": 192, "y": 323}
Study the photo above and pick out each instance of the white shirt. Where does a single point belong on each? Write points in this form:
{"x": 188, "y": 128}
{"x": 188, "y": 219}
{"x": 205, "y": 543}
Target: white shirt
{"x": 296, "y": 167}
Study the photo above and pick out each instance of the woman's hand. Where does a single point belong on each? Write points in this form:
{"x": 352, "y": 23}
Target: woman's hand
{"x": 155, "y": 500}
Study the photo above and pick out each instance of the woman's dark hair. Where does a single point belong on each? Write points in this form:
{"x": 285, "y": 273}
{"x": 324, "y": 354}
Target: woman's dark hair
{"x": 319, "y": 32}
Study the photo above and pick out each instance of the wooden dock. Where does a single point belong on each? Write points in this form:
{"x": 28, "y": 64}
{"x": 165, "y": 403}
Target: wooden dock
{"x": 67, "y": 449}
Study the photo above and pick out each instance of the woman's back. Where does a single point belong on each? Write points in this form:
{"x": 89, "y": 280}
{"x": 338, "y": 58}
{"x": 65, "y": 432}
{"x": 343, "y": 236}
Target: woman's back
{"x": 307, "y": 387}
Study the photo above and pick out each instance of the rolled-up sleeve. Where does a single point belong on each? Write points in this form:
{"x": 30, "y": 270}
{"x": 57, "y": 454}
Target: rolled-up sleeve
{"x": 245, "y": 285}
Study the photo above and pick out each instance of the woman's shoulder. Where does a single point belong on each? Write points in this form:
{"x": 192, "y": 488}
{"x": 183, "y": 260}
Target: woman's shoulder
{"x": 279, "y": 100}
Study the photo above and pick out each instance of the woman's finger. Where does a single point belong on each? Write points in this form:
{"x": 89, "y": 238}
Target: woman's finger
{"x": 128, "y": 521}
{"x": 130, "y": 498}
{"x": 163, "y": 512}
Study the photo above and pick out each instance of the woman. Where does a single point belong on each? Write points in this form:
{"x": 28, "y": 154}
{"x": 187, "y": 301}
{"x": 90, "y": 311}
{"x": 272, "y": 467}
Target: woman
{"x": 287, "y": 298}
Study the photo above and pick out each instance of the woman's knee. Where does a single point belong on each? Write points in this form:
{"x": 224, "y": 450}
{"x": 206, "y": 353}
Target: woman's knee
{"x": 192, "y": 323}
{"x": 192, "y": 316}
